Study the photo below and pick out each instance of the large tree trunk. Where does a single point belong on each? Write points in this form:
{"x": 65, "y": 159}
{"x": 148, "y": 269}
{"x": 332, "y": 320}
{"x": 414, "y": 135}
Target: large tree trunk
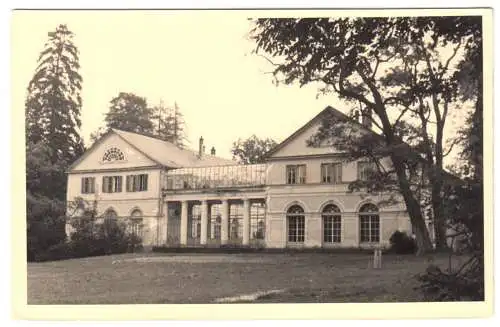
{"x": 424, "y": 243}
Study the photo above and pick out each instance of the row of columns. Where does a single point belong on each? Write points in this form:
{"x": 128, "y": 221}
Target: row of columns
{"x": 224, "y": 222}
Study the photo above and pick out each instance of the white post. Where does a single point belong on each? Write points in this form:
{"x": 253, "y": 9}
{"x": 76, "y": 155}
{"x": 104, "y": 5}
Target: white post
{"x": 224, "y": 237}
{"x": 377, "y": 258}
{"x": 204, "y": 222}
{"x": 246, "y": 222}
{"x": 184, "y": 222}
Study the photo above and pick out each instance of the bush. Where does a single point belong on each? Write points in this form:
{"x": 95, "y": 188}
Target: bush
{"x": 402, "y": 243}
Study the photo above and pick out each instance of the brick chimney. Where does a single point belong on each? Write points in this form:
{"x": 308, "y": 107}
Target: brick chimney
{"x": 201, "y": 147}
{"x": 212, "y": 151}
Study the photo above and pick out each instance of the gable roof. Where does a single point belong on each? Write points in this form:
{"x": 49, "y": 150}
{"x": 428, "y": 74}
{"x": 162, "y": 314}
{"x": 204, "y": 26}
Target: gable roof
{"x": 328, "y": 110}
{"x": 162, "y": 152}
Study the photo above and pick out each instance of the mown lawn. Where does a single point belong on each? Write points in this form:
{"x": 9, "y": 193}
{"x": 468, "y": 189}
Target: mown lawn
{"x": 204, "y": 278}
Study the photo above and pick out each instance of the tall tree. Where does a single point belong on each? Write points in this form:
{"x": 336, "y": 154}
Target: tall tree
{"x": 252, "y": 150}
{"x": 393, "y": 70}
{"x": 53, "y": 102}
{"x": 169, "y": 124}
{"x": 131, "y": 113}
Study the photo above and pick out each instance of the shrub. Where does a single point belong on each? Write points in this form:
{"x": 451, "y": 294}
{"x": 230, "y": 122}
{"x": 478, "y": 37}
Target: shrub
{"x": 402, "y": 243}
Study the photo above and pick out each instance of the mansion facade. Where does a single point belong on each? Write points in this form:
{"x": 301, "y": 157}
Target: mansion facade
{"x": 178, "y": 197}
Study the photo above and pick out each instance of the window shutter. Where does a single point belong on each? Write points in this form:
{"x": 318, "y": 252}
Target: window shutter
{"x": 82, "y": 190}
{"x": 338, "y": 172}
{"x": 127, "y": 182}
{"x": 105, "y": 182}
{"x": 92, "y": 185}
{"x": 119, "y": 183}
{"x": 145, "y": 188}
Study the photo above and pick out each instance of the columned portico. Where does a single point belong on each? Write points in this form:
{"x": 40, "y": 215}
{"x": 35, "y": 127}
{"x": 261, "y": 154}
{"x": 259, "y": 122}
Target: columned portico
{"x": 246, "y": 222}
{"x": 204, "y": 222}
{"x": 184, "y": 223}
{"x": 224, "y": 237}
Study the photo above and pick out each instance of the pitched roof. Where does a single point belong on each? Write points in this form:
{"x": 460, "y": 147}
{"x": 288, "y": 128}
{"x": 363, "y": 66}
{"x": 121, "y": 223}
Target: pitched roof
{"x": 162, "y": 152}
{"x": 328, "y": 110}
{"x": 168, "y": 154}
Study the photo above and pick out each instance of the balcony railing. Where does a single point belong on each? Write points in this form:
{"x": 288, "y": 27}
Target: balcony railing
{"x": 216, "y": 177}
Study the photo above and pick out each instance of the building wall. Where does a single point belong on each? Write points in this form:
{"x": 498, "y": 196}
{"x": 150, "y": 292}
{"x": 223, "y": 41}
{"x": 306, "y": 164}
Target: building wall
{"x": 124, "y": 203}
{"x": 313, "y": 199}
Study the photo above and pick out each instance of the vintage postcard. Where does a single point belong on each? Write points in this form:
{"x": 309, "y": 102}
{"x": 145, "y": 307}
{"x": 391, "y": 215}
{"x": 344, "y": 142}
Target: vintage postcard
{"x": 240, "y": 164}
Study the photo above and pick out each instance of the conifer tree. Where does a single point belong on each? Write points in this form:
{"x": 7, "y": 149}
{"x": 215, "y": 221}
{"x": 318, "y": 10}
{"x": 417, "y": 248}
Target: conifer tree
{"x": 53, "y": 103}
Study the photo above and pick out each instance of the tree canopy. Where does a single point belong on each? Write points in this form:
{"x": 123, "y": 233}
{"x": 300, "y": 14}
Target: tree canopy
{"x": 129, "y": 112}
{"x": 398, "y": 73}
{"x": 252, "y": 149}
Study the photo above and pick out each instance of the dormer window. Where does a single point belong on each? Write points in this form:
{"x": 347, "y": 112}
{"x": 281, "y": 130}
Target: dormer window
{"x": 113, "y": 154}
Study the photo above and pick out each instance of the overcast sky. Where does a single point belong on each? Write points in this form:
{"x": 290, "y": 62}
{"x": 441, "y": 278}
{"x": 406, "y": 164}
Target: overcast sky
{"x": 201, "y": 60}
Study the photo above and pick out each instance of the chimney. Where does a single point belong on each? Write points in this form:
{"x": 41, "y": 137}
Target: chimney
{"x": 366, "y": 118}
{"x": 212, "y": 151}
{"x": 201, "y": 147}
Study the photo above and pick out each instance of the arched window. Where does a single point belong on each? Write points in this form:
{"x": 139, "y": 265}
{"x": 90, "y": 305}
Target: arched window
{"x": 332, "y": 225}
{"x": 113, "y": 154}
{"x": 369, "y": 224}
{"x": 296, "y": 224}
{"x": 110, "y": 214}
{"x": 136, "y": 222}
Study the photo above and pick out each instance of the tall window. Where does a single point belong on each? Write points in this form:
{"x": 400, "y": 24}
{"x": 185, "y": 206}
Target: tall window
{"x": 137, "y": 183}
{"x": 332, "y": 226}
{"x": 136, "y": 223}
{"x": 369, "y": 224}
{"x": 257, "y": 221}
{"x": 365, "y": 169}
{"x": 296, "y": 174}
{"x": 113, "y": 154}
{"x": 331, "y": 173}
{"x": 296, "y": 224}
{"x": 88, "y": 185}
{"x": 235, "y": 221}
{"x": 111, "y": 184}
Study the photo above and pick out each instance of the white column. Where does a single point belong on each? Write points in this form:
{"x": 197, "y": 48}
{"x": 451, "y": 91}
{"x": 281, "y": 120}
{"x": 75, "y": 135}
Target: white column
{"x": 204, "y": 222}
{"x": 184, "y": 222}
{"x": 224, "y": 237}
{"x": 246, "y": 222}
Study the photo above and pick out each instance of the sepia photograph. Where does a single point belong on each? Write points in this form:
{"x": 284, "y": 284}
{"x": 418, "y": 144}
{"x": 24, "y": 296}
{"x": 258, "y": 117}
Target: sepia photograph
{"x": 254, "y": 157}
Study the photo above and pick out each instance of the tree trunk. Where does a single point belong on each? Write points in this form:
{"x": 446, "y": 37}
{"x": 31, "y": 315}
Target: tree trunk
{"x": 424, "y": 243}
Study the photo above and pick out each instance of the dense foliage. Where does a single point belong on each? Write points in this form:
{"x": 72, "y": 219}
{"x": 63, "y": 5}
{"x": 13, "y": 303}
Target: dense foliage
{"x": 53, "y": 105}
{"x": 252, "y": 150}
{"x": 402, "y": 243}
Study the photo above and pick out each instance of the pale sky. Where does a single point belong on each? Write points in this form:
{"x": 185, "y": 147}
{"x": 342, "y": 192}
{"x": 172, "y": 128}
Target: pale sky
{"x": 201, "y": 60}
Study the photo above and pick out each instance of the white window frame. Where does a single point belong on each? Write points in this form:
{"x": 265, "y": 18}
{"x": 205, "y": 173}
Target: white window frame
{"x": 369, "y": 224}
{"x": 299, "y": 227}
{"x": 114, "y": 184}
{"x": 364, "y": 167}
{"x": 137, "y": 183}
{"x": 296, "y": 174}
{"x": 332, "y": 224}
{"x": 331, "y": 173}
{"x": 88, "y": 185}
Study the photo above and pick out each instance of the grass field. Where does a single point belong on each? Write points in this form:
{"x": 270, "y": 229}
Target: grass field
{"x": 205, "y": 278}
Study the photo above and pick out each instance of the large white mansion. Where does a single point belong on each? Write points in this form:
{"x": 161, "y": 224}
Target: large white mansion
{"x": 178, "y": 197}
